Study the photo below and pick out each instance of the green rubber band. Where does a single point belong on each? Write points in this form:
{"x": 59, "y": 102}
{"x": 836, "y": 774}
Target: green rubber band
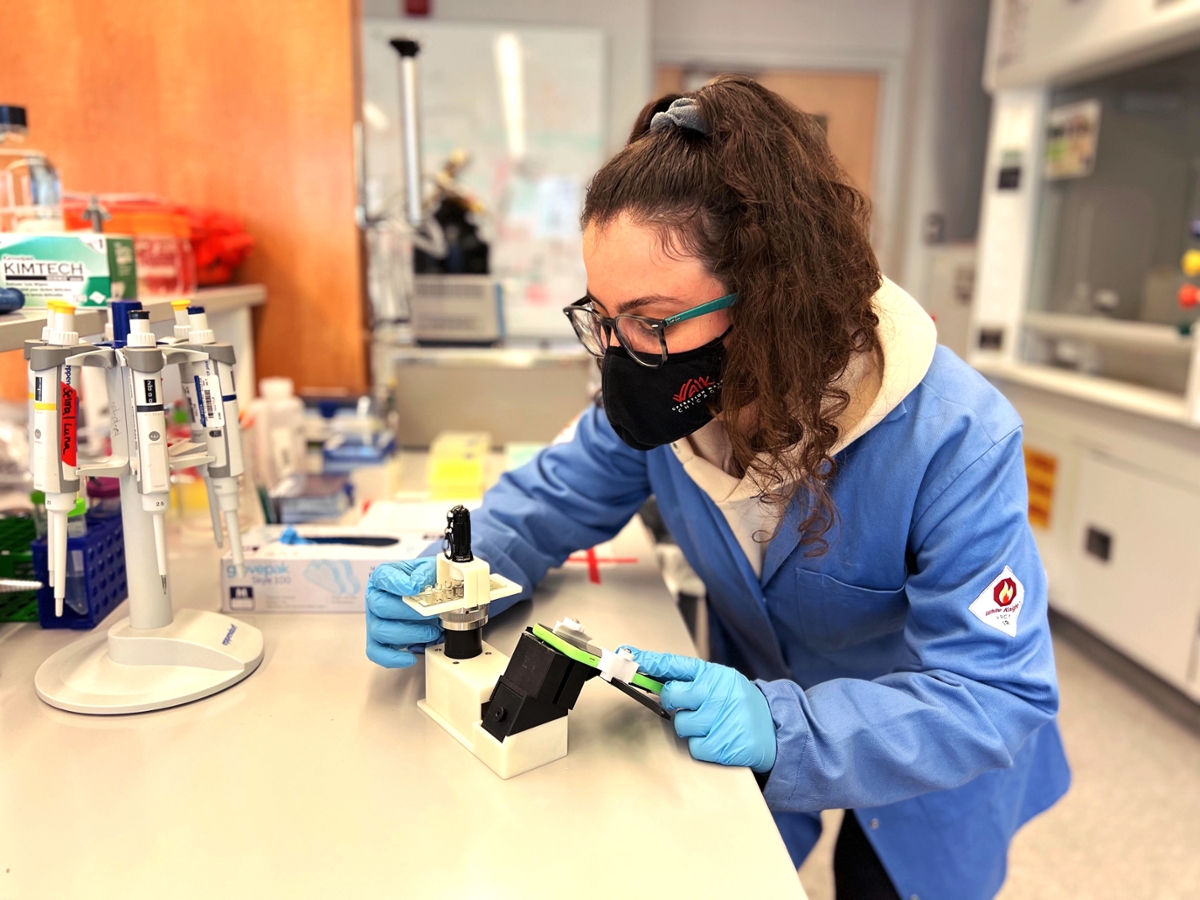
{"x": 544, "y": 634}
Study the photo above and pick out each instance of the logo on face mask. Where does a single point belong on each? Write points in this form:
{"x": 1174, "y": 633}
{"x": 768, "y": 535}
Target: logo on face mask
{"x": 649, "y": 407}
{"x": 692, "y": 387}
{"x": 694, "y": 392}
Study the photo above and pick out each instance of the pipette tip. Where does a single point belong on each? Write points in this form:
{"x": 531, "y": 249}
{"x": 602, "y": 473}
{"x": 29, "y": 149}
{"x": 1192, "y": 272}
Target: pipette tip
{"x": 164, "y": 583}
{"x": 235, "y": 540}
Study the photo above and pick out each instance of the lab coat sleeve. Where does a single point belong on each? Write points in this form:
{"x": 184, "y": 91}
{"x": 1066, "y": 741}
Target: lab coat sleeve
{"x": 971, "y": 695}
{"x": 571, "y": 496}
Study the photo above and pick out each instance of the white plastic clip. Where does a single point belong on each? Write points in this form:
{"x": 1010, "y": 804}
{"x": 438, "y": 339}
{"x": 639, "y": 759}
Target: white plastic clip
{"x": 619, "y": 665}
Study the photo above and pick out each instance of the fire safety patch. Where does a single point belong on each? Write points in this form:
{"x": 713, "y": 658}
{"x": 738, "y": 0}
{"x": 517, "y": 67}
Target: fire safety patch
{"x": 1001, "y": 602}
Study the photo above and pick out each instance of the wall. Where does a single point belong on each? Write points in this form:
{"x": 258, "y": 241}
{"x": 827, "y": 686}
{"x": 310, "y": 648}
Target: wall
{"x": 948, "y": 116}
{"x": 814, "y": 29}
{"x": 626, "y": 22}
{"x": 933, "y": 115}
{"x": 855, "y": 35}
{"x": 247, "y": 107}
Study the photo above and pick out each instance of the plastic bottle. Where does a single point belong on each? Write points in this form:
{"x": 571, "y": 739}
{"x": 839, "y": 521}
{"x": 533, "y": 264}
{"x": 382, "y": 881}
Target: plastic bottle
{"x": 30, "y": 193}
{"x": 279, "y": 444}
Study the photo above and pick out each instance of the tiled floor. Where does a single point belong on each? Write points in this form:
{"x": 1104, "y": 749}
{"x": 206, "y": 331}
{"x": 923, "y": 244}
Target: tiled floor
{"x": 1130, "y": 826}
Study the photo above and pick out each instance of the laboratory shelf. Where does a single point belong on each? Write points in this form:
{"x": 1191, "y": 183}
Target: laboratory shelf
{"x": 214, "y": 300}
{"x": 26, "y": 324}
{"x": 1101, "y": 391}
{"x": 508, "y": 357}
{"x": 1113, "y": 332}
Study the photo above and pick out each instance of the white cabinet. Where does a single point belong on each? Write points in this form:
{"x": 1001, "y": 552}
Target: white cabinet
{"x": 1137, "y": 565}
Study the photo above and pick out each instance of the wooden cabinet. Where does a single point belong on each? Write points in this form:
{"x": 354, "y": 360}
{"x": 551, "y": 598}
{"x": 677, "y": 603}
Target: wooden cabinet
{"x": 247, "y": 107}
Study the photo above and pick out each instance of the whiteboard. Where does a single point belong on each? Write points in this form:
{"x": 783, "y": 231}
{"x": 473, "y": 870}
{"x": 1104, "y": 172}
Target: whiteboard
{"x": 533, "y": 200}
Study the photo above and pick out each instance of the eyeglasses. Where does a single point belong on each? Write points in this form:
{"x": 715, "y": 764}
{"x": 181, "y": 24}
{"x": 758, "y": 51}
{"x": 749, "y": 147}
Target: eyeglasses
{"x": 644, "y": 339}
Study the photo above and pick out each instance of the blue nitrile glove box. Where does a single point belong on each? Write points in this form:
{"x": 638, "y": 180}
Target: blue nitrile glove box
{"x": 344, "y": 453}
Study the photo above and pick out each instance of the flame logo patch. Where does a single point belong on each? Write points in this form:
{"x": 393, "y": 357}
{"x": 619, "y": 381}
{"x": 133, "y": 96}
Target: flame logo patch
{"x": 999, "y": 604}
{"x": 1005, "y": 592}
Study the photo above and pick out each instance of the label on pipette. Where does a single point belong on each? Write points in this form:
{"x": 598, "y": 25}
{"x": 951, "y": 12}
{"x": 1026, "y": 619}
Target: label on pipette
{"x": 209, "y": 407}
{"x": 70, "y": 406}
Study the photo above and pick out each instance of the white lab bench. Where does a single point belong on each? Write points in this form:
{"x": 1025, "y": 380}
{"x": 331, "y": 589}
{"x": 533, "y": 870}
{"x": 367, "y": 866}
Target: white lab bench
{"x": 319, "y": 777}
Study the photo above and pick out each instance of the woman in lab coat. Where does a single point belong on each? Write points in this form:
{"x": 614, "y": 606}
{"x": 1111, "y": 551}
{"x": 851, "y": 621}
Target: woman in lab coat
{"x": 852, "y": 495}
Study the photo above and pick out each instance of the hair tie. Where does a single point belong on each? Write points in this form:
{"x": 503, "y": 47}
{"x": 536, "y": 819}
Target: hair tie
{"x": 683, "y": 112}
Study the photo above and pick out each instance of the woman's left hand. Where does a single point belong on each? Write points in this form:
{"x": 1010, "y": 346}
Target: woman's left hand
{"x": 725, "y": 718}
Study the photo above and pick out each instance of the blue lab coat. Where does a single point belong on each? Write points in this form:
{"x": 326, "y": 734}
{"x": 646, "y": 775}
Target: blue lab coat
{"x": 890, "y": 697}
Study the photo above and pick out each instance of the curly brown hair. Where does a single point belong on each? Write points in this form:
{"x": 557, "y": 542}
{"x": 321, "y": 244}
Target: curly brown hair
{"x": 762, "y": 202}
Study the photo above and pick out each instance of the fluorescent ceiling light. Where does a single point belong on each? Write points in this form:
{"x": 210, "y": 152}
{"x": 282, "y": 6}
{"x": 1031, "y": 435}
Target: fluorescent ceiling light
{"x": 510, "y": 69}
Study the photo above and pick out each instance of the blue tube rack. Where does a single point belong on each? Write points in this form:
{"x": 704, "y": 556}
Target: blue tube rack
{"x": 105, "y": 584}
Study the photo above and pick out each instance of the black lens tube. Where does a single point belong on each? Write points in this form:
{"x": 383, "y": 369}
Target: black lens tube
{"x": 464, "y": 644}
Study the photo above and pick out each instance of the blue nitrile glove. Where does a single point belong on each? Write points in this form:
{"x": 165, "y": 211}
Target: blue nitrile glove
{"x": 291, "y": 536}
{"x": 393, "y": 627}
{"x": 723, "y": 715}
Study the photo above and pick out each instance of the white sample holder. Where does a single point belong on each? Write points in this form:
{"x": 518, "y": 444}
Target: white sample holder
{"x": 155, "y": 658}
{"x": 456, "y": 689}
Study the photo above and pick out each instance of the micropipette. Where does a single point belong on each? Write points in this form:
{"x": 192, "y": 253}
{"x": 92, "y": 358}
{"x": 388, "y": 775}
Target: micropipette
{"x": 183, "y": 334}
{"x": 214, "y": 405}
{"x": 53, "y": 436}
{"x": 153, "y": 463}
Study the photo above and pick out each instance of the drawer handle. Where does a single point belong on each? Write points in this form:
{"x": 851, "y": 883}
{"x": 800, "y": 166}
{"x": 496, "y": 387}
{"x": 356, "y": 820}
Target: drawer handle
{"x": 1098, "y": 543}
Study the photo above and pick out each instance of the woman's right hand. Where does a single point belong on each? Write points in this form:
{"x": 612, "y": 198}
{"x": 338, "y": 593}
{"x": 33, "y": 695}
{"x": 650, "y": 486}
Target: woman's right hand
{"x": 394, "y": 628}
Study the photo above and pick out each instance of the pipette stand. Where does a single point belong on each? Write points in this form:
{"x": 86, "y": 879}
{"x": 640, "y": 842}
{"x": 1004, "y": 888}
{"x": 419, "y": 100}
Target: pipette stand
{"x": 157, "y": 657}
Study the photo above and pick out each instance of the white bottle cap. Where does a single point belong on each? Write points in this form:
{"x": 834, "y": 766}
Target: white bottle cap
{"x": 276, "y": 388}
{"x": 60, "y": 324}
{"x": 140, "y": 334}
{"x": 201, "y": 333}
{"x": 183, "y": 326}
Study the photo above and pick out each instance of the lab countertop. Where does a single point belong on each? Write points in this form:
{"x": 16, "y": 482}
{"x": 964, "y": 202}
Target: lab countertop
{"x": 319, "y": 777}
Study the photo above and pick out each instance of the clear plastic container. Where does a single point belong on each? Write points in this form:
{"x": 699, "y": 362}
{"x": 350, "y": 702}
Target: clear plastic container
{"x": 166, "y": 263}
{"x": 30, "y": 193}
{"x": 76, "y": 589}
{"x": 77, "y": 520}
{"x": 38, "y": 498}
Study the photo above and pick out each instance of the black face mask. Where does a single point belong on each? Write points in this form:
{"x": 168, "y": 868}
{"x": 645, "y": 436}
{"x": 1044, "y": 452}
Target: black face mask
{"x": 651, "y": 407}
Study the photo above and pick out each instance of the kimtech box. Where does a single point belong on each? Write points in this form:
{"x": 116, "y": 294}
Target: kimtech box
{"x": 82, "y": 267}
